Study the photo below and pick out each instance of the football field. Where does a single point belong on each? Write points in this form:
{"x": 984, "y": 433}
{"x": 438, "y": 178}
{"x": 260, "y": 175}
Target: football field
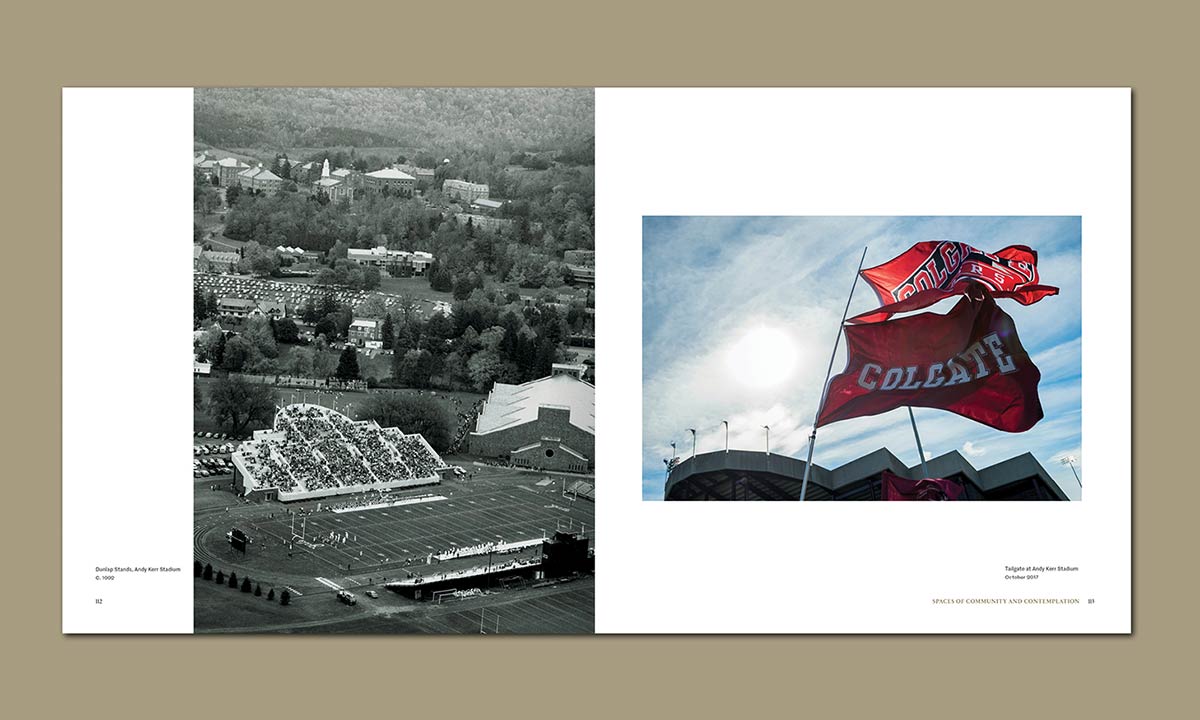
{"x": 363, "y": 546}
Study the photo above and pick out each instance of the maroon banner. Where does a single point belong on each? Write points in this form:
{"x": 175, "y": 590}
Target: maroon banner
{"x": 898, "y": 488}
{"x": 937, "y": 269}
{"x": 968, "y": 361}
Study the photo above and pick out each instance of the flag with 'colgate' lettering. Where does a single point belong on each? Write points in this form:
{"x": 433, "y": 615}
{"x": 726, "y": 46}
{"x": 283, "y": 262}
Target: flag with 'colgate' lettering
{"x": 968, "y": 361}
{"x": 937, "y": 269}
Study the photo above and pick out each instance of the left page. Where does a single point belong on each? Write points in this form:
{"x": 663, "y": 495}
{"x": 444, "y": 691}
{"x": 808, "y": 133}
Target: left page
{"x": 359, "y": 392}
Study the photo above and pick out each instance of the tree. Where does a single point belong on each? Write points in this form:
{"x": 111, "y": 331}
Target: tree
{"x": 370, "y": 278}
{"x": 257, "y": 590}
{"x": 388, "y": 331}
{"x": 412, "y": 414}
{"x": 271, "y": 594}
{"x": 347, "y": 368}
{"x": 232, "y": 193}
{"x": 220, "y": 579}
{"x": 299, "y": 362}
{"x": 483, "y": 369}
{"x": 199, "y": 304}
{"x": 261, "y": 335}
{"x": 285, "y": 597}
{"x": 246, "y": 585}
{"x": 417, "y": 368}
{"x": 207, "y": 571}
{"x": 372, "y": 307}
{"x": 310, "y": 312}
{"x": 238, "y": 351}
{"x": 197, "y": 568}
{"x": 197, "y": 395}
{"x": 233, "y": 583}
{"x": 236, "y": 402}
{"x": 286, "y": 331}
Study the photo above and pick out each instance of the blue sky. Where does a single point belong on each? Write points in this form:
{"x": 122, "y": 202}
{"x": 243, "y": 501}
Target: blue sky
{"x": 708, "y": 281}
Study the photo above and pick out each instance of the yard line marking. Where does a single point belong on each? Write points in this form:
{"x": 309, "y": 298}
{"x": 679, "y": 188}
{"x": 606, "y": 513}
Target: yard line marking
{"x": 295, "y": 592}
{"x": 329, "y": 583}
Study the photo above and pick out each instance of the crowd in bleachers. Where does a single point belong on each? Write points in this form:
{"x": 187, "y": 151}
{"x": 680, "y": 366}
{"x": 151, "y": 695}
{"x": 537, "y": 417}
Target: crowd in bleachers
{"x": 414, "y": 453}
{"x": 466, "y": 421}
{"x": 260, "y": 461}
{"x": 418, "y": 578}
{"x": 324, "y": 449}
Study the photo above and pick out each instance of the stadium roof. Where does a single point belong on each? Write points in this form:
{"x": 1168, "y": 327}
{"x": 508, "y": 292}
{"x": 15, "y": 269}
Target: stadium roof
{"x": 511, "y": 405}
{"x": 720, "y": 474}
{"x": 390, "y": 174}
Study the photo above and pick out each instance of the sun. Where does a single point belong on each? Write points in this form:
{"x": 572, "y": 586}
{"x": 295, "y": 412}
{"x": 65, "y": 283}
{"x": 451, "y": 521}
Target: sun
{"x": 763, "y": 358}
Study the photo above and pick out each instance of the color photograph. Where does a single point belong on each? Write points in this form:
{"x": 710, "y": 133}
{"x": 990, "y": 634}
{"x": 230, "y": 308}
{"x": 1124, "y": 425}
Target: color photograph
{"x": 862, "y": 358}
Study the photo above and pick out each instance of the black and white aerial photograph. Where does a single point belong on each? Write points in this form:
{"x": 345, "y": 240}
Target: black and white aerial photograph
{"x": 394, "y": 360}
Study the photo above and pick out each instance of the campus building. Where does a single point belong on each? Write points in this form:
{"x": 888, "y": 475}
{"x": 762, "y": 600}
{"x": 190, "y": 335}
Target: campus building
{"x": 365, "y": 332}
{"x": 239, "y": 307}
{"x": 259, "y": 179}
{"x": 747, "y": 475}
{"x": 214, "y": 260}
{"x": 486, "y": 206}
{"x": 465, "y": 191}
{"x": 227, "y": 170}
{"x": 423, "y": 176}
{"x": 483, "y": 222}
{"x": 548, "y": 423}
{"x": 204, "y": 164}
{"x": 394, "y": 261}
{"x": 392, "y": 179}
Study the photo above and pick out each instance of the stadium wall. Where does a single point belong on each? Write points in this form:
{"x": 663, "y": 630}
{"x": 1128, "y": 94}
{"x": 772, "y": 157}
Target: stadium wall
{"x": 552, "y": 429}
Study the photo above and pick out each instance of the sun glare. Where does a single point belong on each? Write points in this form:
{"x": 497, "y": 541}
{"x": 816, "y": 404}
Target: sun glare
{"x": 762, "y": 358}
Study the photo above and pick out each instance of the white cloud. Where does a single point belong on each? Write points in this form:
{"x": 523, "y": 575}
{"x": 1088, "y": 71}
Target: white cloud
{"x": 970, "y": 449}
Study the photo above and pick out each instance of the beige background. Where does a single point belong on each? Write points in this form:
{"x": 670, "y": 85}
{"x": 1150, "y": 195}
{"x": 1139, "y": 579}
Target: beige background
{"x": 1143, "y": 45}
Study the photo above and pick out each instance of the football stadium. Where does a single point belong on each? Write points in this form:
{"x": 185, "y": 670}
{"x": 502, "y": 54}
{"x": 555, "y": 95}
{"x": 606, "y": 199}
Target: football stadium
{"x": 314, "y": 452}
{"x": 746, "y": 475}
{"x": 549, "y": 423}
{"x": 367, "y": 529}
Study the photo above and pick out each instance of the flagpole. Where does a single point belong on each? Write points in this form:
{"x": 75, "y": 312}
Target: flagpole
{"x": 920, "y": 451}
{"x": 812, "y": 439}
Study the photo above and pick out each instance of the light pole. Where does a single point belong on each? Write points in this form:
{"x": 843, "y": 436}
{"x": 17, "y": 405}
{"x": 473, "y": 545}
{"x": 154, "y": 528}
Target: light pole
{"x": 693, "y": 432}
{"x": 726, "y": 424}
{"x": 768, "y": 429}
{"x": 1071, "y": 460}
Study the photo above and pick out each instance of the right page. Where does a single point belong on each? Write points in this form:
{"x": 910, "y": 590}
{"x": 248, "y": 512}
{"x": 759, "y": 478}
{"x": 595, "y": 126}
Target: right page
{"x": 862, "y": 356}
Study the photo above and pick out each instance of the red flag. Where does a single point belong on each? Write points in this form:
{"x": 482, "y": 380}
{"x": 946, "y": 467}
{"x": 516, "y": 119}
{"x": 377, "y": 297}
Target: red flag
{"x": 968, "y": 361}
{"x": 937, "y": 269}
{"x": 898, "y": 488}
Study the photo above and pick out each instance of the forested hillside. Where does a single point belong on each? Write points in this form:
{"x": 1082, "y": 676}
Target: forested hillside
{"x": 445, "y": 119}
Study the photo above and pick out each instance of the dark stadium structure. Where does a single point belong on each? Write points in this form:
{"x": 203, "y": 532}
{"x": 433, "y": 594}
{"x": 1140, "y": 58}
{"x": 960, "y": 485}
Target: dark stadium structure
{"x": 747, "y": 475}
